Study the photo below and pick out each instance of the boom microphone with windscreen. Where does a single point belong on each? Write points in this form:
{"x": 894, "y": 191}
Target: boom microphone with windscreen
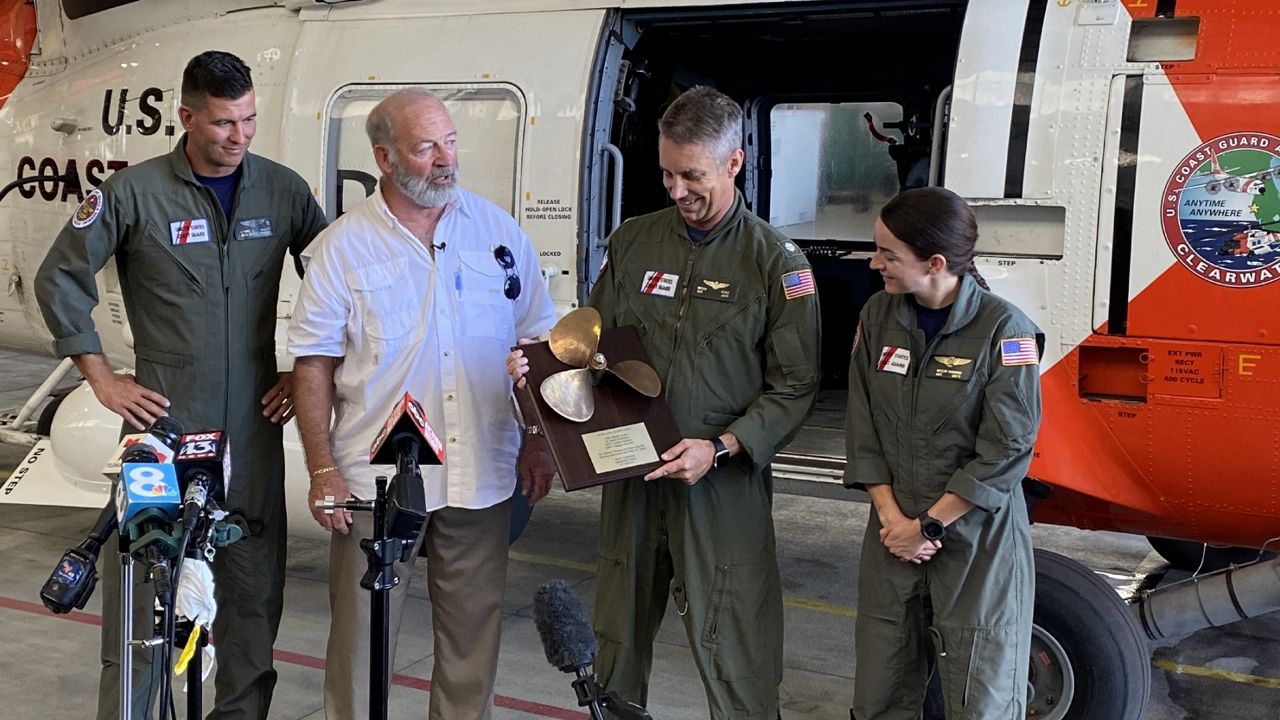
{"x": 571, "y": 646}
{"x": 562, "y": 624}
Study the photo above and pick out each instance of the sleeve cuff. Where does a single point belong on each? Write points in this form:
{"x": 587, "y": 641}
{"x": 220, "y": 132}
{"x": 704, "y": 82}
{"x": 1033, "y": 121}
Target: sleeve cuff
{"x": 298, "y": 350}
{"x": 860, "y": 473}
{"x": 87, "y": 342}
{"x": 979, "y": 493}
{"x": 754, "y": 441}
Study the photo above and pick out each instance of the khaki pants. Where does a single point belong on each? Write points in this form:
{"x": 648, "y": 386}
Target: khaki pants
{"x": 466, "y": 554}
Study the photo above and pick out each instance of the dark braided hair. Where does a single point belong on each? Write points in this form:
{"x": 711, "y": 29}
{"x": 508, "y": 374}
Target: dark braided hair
{"x": 935, "y": 221}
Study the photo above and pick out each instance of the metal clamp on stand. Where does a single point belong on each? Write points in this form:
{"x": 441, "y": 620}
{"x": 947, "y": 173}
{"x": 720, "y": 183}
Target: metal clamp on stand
{"x": 398, "y": 513}
{"x": 591, "y": 695}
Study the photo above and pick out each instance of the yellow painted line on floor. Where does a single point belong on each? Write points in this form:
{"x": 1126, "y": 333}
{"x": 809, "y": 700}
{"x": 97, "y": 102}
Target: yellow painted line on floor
{"x": 1213, "y": 674}
{"x": 822, "y": 607}
{"x": 552, "y": 561}
{"x": 815, "y": 605}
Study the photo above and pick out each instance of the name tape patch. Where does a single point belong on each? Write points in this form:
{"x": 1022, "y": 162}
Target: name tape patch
{"x": 657, "y": 282}
{"x": 253, "y": 228}
{"x": 894, "y": 360}
{"x": 950, "y": 367}
{"x": 188, "y": 232}
{"x": 714, "y": 290}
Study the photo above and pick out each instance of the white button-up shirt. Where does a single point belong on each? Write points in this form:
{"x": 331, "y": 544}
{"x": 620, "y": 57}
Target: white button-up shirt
{"x": 440, "y": 329}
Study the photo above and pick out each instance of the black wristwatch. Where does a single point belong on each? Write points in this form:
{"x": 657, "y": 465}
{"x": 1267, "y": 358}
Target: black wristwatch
{"x": 722, "y": 452}
{"x": 932, "y": 528}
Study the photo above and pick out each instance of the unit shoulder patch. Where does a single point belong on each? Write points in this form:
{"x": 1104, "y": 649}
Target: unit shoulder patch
{"x": 1019, "y": 351}
{"x": 89, "y": 210}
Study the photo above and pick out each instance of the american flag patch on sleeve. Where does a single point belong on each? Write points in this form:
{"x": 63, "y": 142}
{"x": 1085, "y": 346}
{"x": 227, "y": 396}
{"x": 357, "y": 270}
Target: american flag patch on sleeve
{"x": 798, "y": 284}
{"x": 1019, "y": 351}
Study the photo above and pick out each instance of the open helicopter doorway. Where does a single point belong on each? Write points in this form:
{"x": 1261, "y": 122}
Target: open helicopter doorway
{"x": 841, "y": 102}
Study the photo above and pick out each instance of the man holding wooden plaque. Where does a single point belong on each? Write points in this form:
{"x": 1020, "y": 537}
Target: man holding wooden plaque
{"x": 728, "y": 315}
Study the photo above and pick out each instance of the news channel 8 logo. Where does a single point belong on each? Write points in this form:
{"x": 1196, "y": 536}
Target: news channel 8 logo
{"x": 149, "y": 481}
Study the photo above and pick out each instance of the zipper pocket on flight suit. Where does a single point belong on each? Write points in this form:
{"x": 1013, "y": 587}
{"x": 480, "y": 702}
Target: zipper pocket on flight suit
{"x": 705, "y": 340}
{"x": 168, "y": 251}
{"x": 968, "y": 674}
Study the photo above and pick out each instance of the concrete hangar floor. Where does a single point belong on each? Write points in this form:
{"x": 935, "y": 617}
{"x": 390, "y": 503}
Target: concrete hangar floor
{"x": 49, "y": 664}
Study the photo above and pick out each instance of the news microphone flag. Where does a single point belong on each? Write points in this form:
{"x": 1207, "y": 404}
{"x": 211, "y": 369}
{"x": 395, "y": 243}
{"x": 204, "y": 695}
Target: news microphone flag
{"x": 146, "y": 485}
{"x": 209, "y": 453}
{"x": 164, "y": 453}
{"x": 162, "y": 437}
{"x": 406, "y": 417}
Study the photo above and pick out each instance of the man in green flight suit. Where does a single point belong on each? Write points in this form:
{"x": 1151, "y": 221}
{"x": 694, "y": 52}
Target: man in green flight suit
{"x": 199, "y": 237}
{"x": 728, "y": 313}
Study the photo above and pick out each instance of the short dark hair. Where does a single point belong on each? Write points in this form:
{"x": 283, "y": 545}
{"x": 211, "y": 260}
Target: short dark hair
{"x": 935, "y": 221}
{"x": 215, "y": 74}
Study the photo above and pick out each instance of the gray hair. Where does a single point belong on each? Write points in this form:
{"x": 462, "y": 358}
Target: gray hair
{"x": 378, "y": 125}
{"x": 707, "y": 117}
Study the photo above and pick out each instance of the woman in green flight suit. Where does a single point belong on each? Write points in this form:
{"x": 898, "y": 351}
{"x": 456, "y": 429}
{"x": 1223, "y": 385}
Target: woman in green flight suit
{"x": 944, "y": 405}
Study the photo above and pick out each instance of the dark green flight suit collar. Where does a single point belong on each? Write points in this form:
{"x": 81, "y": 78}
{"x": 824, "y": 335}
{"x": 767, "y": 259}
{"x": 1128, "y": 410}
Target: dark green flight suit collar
{"x": 678, "y": 226}
{"x": 963, "y": 310}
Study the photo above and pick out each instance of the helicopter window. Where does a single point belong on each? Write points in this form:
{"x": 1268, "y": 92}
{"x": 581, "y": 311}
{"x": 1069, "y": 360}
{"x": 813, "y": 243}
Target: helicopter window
{"x": 490, "y": 119}
{"x": 79, "y": 8}
{"x": 833, "y": 167}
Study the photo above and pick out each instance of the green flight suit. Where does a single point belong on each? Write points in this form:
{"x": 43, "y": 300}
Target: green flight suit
{"x": 733, "y": 353}
{"x": 962, "y": 418}
{"x": 201, "y": 299}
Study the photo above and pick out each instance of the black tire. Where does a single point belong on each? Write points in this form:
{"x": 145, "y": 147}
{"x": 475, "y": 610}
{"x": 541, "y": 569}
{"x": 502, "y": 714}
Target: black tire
{"x": 1186, "y": 555}
{"x": 1105, "y": 648}
{"x": 44, "y": 424}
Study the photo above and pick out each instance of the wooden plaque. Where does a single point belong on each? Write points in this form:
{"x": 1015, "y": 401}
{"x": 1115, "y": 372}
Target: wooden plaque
{"x": 612, "y": 430}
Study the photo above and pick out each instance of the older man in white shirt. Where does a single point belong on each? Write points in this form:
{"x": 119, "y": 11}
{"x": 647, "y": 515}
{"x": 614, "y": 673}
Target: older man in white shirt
{"x": 424, "y": 287}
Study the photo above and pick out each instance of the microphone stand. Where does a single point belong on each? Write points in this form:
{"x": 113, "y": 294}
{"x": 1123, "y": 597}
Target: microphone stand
{"x": 391, "y": 541}
{"x": 593, "y": 697}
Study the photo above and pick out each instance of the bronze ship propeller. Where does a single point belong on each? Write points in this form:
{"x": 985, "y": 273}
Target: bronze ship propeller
{"x": 575, "y": 341}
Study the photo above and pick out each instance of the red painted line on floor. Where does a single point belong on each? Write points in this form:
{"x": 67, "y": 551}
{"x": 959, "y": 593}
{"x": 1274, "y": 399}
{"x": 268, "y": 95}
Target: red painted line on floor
{"x": 292, "y": 658}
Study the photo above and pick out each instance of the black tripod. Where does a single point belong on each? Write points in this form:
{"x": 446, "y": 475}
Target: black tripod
{"x": 398, "y": 514}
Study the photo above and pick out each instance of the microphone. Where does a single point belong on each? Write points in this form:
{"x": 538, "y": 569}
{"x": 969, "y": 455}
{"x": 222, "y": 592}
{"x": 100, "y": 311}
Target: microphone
{"x": 162, "y": 436}
{"x": 74, "y": 578}
{"x": 571, "y": 646}
{"x": 203, "y": 466}
{"x": 439, "y": 246}
{"x": 408, "y": 431}
{"x": 407, "y": 440}
{"x": 562, "y": 624}
{"x": 145, "y": 483}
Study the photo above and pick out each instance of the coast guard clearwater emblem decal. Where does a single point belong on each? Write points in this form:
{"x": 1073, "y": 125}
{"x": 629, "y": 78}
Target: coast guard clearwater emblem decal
{"x": 1221, "y": 210}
